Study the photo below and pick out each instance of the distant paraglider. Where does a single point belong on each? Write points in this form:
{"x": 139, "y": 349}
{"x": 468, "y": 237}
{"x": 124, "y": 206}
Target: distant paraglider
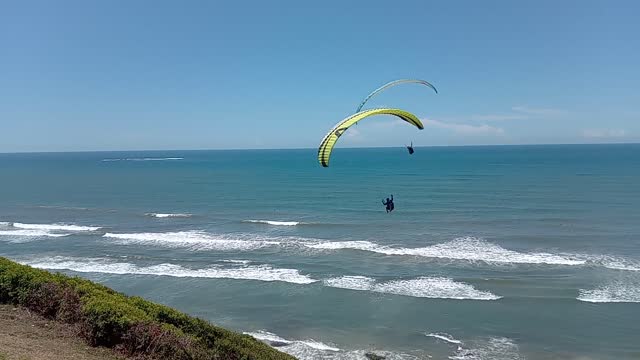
{"x": 326, "y": 146}
{"x": 328, "y": 142}
{"x": 410, "y": 148}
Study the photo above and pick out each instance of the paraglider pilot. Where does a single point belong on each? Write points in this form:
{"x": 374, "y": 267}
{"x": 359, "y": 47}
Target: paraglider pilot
{"x": 388, "y": 203}
{"x": 410, "y": 148}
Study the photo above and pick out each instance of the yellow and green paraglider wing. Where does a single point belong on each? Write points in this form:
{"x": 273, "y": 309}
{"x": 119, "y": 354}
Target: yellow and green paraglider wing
{"x": 394, "y": 83}
{"x": 324, "y": 151}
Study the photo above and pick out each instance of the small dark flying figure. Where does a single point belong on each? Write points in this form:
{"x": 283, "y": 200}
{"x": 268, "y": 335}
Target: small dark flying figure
{"x": 388, "y": 204}
{"x": 410, "y": 148}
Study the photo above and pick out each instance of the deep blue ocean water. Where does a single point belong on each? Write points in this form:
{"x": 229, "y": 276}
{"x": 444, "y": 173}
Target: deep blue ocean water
{"x": 493, "y": 252}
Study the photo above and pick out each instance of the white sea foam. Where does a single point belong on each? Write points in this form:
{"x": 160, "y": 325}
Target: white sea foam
{"x": 19, "y": 232}
{"x": 614, "y": 292}
{"x": 613, "y": 262}
{"x": 445, "y": 337}
{"x": 169, "y": 215}
{"x": 271, "y": 338}
{"x": 29, "y": 233}
{"x": 274, "y": 222}
{"x": 314, "y": 350}
{"x": 257, "y": 272}
{"x": 491, "y": 349}
{"x": 353, "y": 245}
{"x": 144, "y": 159}
{"x": 195, "y": 240}
{"x": 426, "y": 287}
{"x": 55, "y": 227}
{"x": 467, "y": 248}
{"x": 243, "y": 262}
{"x": 61, "y": 207}
{"x": 268, "y": 337}
{"x": 362, "y": 283}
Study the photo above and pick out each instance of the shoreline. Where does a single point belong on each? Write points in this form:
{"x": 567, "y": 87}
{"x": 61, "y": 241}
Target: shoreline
{"x": 129, "y": 325}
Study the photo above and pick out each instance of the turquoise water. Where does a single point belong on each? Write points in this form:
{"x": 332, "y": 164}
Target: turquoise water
{"x": 503, "y": 252}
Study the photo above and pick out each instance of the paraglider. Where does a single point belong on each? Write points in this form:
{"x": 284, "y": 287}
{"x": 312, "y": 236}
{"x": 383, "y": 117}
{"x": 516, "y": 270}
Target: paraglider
{"x": 410, "y": 148}
{"x": 329, "y": 141}
{"x": 326, "y": 146}
{"x": 394, "y": 83}
{"x": 388, "y": 204}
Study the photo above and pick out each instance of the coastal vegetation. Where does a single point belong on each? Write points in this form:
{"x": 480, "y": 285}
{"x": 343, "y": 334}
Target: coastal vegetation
{"x": 130, "y": 325}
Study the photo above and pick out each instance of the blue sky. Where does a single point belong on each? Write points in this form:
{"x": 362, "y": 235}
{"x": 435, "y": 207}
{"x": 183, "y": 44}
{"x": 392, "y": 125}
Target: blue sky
{"x": 111, "y": 75}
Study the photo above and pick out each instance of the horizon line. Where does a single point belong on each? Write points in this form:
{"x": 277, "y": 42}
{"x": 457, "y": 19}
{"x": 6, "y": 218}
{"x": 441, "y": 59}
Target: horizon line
{"x": 309, "y": 148}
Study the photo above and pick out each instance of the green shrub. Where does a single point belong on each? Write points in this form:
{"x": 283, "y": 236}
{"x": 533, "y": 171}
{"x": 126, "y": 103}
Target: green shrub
{"x": 136, "y": 327}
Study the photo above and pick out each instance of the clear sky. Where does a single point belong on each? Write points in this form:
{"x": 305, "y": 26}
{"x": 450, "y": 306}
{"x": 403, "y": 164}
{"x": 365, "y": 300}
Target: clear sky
{"x": 118, "y": 75}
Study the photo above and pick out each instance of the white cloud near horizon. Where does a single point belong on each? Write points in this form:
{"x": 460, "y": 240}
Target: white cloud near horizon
{"x": 457, "y": 128}
{"x": 464, "y": 129}
{"x": 603, "y": 133}
{"x": 538, "y": 111}
{"x": 498, "y": 117}
{"x": 520, "y": 113}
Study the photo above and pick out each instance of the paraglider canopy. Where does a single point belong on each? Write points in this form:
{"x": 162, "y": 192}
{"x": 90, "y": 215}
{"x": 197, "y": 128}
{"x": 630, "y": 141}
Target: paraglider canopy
{"x": 326, "y": 146}
{"x": 394, "y": 83}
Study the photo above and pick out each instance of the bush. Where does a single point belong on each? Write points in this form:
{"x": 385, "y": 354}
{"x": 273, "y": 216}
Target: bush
{"x": 160, "y": 342}
{"x": 136, "y": 327}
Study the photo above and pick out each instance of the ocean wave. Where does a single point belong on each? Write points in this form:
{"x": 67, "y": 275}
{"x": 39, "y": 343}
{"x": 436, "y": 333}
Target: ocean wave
{"x": 615, "y": 292}
{"x": 274, "y": 222}
{"x": 249, "y": 272}
{"x": 21, "y": 232}
{"x": 268, "y": 337}
{"x": 195, "y": 240}
{"x": 55, "y": 227}
{"x": 613, "y": 262}
{"x": 271, "y": 338}
{"x": 467, "y": 248}
{"x": 144, "y": 159}
{"x": 244, "y": 262}
{"x": 169, "y": 215}
{"x": 445, "y": 337}
{"x": 62, "y": 207}
{"x": 425, "y": 287}
{"x": 315, "y": 350}
{"x": 29, "y": 234}
{"x": 492, "y": 349}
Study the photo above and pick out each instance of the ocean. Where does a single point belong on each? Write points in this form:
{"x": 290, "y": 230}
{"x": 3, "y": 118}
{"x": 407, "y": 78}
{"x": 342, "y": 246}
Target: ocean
{"x": 492, "y": 252}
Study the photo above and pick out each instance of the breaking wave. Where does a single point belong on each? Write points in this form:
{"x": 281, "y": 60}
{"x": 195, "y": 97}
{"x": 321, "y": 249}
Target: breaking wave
{"x": 27, "y": 233}
{"x": 144, "y": 159}
{"x": 195, "y": 240}
{"x": 55, "y": 227}
{"x": 245, "y": 272}
{"x": 21, "y": 232}
{"x": 615, "y": 292}
{"x": 161, "y": 215}
{"x": 274, "y": 222}
{"x": 244, "y": 262}
{"x": 425, "y": 287}
{"x": 314, "y": 350}
{"x": 492, "y": 349}
{"x": 444, "y": 337}
{"x": 612, "y": 262}
{"x": 467, "y": 248}
{"x": 271, "y": 338}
